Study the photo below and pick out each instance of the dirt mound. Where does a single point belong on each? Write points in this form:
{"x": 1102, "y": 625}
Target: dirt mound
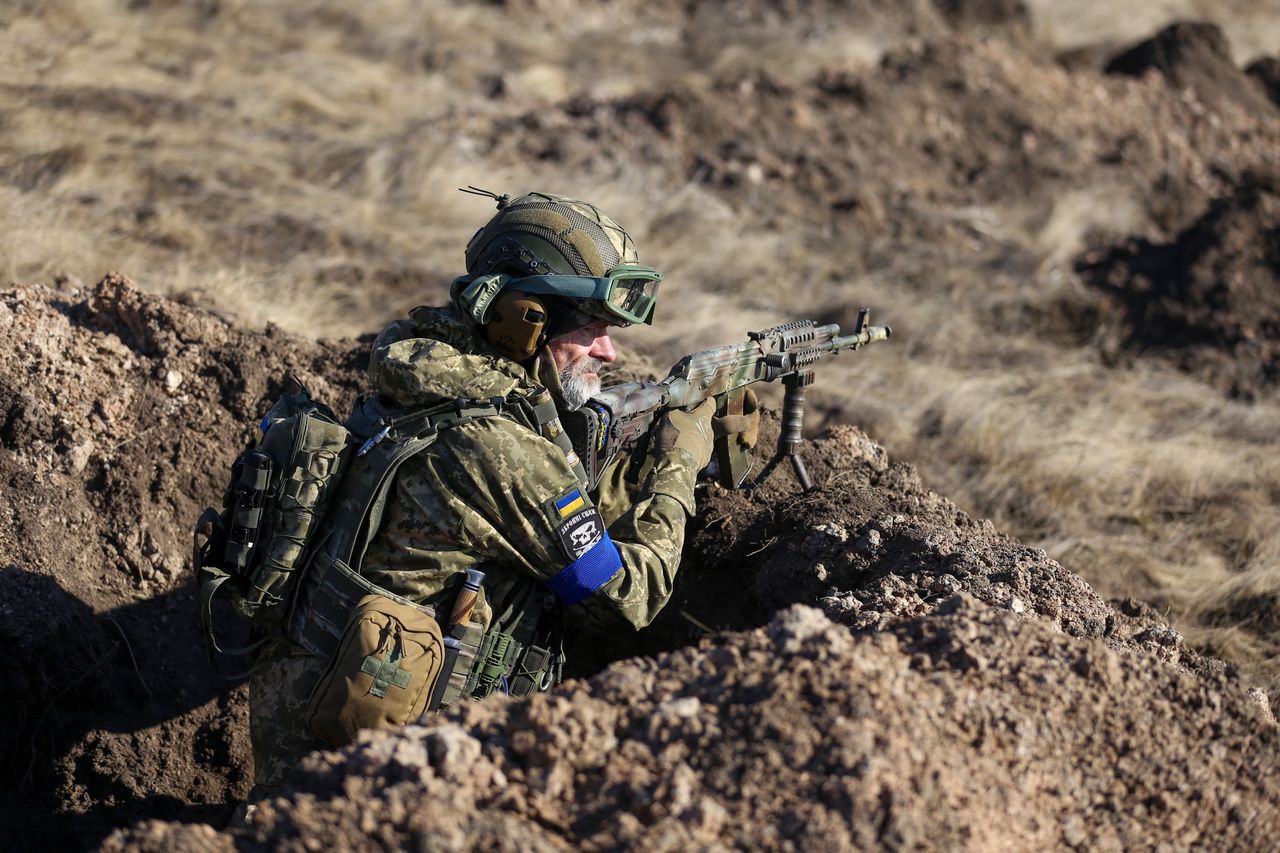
{"x": 871, "y": 546}
{"x": 1210, "y": 298}
{"x": 912, "y": 712}
{"x": 971, "y": 727}
{"x": 1267, "y": 72}
{"x": 144, "y": 402}
{"x": 1197, "y": 56}
{"x": 119, "y": 414}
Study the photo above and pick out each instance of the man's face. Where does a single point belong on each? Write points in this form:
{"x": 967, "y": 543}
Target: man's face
{"x": 578, "y": 356}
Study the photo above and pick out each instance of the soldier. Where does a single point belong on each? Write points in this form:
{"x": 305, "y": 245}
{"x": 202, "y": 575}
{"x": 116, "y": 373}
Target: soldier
{"x": 547, "y": 278}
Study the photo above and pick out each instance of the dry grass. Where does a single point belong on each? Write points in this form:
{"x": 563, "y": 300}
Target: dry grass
{"x": 296, "y": 163}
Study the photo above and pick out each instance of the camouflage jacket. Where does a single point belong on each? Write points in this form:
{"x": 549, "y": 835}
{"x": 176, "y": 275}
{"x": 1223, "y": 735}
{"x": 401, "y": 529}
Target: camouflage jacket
{"x": 494, "y": 494}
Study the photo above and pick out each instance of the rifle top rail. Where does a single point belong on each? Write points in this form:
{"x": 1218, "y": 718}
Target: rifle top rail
{"x": 767, "y": 355}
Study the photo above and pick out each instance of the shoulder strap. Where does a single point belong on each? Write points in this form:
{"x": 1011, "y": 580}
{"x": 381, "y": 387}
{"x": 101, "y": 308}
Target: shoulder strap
{"x": 547, "y": 422}
{"x": 368, "y": 483}
{"x": 356, "y": 513}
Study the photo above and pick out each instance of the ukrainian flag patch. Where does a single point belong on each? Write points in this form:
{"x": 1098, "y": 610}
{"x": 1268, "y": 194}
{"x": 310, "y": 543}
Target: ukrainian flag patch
{"x": 570, "y": 503}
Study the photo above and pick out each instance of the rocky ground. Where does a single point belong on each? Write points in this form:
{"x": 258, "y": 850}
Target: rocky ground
{"x": 972, "y": 727}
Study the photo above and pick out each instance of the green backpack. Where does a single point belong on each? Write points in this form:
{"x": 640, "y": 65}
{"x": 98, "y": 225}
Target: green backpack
{"x": 253, "y": 550}
{"x": 303, "y": 504}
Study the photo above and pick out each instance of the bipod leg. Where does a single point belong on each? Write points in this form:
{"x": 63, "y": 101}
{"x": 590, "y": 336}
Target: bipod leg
{"x": 797, "y": 465}
{"x": 766, "y": 471}
{"x": 792, "y": 427}
{"x": 801, "y": 474}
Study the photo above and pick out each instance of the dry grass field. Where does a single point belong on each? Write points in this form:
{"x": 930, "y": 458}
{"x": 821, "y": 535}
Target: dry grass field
{"x": 296, "y": 163}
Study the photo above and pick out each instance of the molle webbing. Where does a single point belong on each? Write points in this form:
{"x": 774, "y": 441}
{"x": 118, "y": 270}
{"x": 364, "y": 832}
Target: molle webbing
{"x": 511, "y": 663}
{"x": 470, "y": 638}
{"x": 335, "y": 593}
{"x": 333, "y": 583}
{"x": 497, "y": 658}
{"x": 535, "y": 666}
{"x": 253, "y": 552}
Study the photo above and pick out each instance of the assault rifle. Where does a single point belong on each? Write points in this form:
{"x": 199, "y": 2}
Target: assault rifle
{"x": 620, "y": 416}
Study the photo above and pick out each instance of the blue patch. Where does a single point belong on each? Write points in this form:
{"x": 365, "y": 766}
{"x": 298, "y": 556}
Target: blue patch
{"x": 588, "y": 572}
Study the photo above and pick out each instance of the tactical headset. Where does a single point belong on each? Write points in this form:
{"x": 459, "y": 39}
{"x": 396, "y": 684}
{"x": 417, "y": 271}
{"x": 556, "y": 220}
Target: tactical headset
{"x": 514, "y": 323}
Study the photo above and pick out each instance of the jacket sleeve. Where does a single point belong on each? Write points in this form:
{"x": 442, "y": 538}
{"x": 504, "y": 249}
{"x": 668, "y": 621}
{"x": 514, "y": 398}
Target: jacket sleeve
{"x": 520, "y": 504}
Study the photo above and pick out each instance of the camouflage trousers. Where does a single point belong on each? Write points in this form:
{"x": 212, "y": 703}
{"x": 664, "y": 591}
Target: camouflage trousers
{"x": 279, "y": 690}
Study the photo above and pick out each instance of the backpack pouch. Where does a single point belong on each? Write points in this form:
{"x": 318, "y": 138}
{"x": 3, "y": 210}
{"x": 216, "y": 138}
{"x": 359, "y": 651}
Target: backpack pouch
{"x": 310, "y": 450}
{"x": 382, "y": 674}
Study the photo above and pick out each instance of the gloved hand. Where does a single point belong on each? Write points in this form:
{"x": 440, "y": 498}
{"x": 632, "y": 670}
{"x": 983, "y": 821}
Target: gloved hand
{"x": 688, "y": 430}
{"x": 745, "y": 427}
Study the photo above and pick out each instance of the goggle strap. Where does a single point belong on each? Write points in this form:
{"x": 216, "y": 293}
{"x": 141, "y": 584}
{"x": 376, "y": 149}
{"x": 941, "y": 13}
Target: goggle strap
{"x": 572, "y": 286}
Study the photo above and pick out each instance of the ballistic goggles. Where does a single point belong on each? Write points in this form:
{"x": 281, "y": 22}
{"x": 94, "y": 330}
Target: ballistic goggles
{"x": 624, "y": 295}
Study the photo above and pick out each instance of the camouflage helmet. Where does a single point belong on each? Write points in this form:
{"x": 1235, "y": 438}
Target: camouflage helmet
{"x": 568, "y": 251}
{"x": 540, "y": 233}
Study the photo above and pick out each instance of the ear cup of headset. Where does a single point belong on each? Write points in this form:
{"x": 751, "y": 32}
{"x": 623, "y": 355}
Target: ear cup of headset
{"x": 517, "y": 324}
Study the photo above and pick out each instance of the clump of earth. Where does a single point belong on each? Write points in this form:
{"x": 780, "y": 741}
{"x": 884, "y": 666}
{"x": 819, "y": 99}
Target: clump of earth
{"x": 1197, "y": 55}
{"x": 1209, "y": 298}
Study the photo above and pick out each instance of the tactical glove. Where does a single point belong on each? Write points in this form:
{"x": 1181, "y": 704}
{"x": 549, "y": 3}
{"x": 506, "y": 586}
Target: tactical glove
{"x": 690, "y": 431}
{"x": 745, "y": 428}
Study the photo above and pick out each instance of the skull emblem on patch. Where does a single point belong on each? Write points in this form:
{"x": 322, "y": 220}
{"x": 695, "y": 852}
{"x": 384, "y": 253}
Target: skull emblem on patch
{"x": 580, "y": 533}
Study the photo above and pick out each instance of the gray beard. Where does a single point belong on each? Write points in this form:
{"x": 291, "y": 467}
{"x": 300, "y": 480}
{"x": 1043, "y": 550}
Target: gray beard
{"x": 578, "y": 389}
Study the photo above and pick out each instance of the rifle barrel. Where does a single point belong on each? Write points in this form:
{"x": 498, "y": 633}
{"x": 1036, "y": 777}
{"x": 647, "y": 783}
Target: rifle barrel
{"x": 866, "y": 336}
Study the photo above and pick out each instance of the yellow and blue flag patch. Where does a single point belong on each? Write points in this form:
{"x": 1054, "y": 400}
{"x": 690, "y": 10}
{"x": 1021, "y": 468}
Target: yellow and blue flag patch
{"x": 570, "y": 503}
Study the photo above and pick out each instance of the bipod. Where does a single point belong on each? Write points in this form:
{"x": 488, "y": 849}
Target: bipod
{"x": 792, "y": 430}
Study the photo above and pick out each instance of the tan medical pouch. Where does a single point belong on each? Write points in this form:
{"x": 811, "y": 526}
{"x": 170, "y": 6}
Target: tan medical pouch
{"x": 382, "y": 674}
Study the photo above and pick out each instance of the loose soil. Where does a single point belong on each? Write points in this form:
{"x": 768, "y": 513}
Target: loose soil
{"x": 950, "y": 675}
{"x": 971, "y": 728}
{"x": 119, "y": 416}
{"x": 1198, "y": 56}
{"x": 1209, "y": 299}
